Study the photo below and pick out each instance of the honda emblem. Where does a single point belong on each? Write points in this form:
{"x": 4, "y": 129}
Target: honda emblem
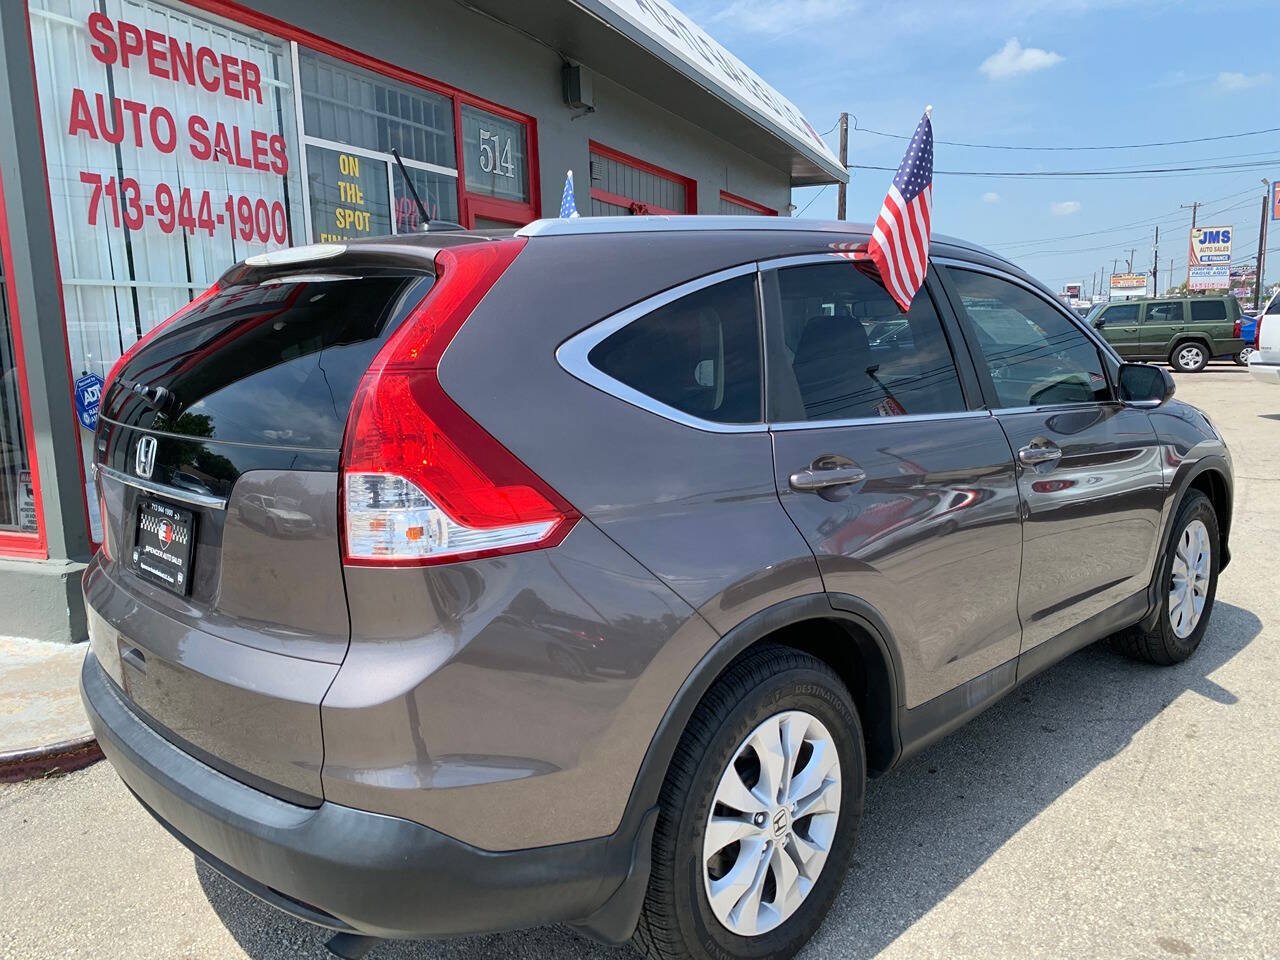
{"x": 144, "y": 460}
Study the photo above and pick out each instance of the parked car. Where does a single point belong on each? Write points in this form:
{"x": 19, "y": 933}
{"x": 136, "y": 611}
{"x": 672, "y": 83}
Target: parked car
{"x": 1264, "y": 361}
{"x": 1248, "y": 330}
{"x": 274, "y": 515}
{"x": 1187, "y": 332}
{"x": 646, "y": 557}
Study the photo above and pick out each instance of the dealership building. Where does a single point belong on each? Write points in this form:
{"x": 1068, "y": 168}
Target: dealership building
{"x": 145, "y": 145}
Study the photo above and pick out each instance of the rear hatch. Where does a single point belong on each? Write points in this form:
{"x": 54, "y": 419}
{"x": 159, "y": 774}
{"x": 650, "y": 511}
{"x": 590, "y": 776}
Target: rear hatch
{"x": 217, "y": 604}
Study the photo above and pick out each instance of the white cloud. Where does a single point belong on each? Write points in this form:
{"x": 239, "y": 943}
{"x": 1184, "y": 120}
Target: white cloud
{"x": 1013, "y": 59}
{"x": 1229, "y": 82}
{"x": 1064, "y": 208}
{"x": 991, "y": 197}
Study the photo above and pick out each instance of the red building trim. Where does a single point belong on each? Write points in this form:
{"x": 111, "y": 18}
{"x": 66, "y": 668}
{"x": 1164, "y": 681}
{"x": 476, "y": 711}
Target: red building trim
{"x": 14, "y": 543}
{"x": 243, "y": 16}
{"x": 690, "y": 185}
{"x": 750, "y": 204}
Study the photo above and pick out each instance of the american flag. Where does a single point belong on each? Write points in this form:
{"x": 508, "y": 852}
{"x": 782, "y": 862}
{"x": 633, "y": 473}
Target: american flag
{"x": 568, "y": 208}
{"x": 900, "y": 239}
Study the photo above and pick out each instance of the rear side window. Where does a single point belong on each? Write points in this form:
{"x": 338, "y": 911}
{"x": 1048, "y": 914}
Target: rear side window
{"x": 848, "y": 352}
{"x": 1208, "y": 311}
{"x": 1168, "y": 312}
{"x": 275, "y": 364}
{"x": 699, "y": 354}
{"x": 1274, "y": 308}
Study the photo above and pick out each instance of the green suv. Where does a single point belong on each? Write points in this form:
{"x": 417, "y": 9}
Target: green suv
{"x": 1186, "y": 331}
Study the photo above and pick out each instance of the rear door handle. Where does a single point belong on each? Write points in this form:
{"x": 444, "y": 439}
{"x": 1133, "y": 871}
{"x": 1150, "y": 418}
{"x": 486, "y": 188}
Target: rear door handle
{"x": 829, "y": 470}
{"x": 1040, "y": 451}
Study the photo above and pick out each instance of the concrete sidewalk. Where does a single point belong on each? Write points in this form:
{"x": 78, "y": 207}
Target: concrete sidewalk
{"x": 43, "y": 728}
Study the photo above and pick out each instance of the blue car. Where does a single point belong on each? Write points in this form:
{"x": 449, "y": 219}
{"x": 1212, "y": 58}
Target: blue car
{"x": 1248, "y": 330}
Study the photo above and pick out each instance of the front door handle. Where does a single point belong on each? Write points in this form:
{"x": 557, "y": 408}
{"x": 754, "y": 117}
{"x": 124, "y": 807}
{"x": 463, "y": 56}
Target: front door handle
{"x": 829, "y": 470}
{"x": 1040, "y": 451}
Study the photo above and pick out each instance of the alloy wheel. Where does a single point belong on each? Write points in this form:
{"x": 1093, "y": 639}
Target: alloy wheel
{"x": 772, "y": 823}
{"x": 1190, "y": 357}
{"x": 1189, "y": 584}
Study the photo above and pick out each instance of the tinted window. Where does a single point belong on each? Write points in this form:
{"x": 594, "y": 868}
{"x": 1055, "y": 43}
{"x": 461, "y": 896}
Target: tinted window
{"x": 699, "y": 354}
{"x": 276, "y": 364}
{"x": 1207, "y": 311}
{"x": 847, "y": 351}
{"x": 1274, "y": 308}
{"x": 1167, "y": 312}
{"x": 1036, "y": 355}
{"x": 1124, "y": 313}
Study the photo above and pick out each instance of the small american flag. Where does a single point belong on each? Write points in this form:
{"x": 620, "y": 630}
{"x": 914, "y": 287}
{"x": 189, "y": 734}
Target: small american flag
{"x": 900, "y": 239}
{"x": 568, "y": 208}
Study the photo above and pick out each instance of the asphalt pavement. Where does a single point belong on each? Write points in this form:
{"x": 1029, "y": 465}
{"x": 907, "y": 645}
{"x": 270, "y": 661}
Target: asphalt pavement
{"x": 1105, "y": 810}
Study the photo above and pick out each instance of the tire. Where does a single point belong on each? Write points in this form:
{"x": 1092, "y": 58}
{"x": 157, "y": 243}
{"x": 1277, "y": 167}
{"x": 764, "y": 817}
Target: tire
{"x": 768, "y": 685}
{"x": 1164, "y": 645}
{"x": 1242, "y": 358}
{"x": 1190, "y": 356}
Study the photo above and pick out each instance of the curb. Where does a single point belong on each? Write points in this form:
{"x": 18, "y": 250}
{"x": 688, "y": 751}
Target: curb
{"x": 52, "y": 760}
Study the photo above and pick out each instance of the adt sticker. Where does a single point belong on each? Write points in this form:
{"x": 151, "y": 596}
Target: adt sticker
{"x": 88, "y": 397}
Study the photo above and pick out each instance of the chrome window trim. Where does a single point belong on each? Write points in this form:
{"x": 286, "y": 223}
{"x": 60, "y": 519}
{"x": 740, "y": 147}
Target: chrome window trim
{"x": 868, "y": 421}
{"x": 572, "y": 354}
{"x": 162, "y": 489}
{"x": 803, "y": 259}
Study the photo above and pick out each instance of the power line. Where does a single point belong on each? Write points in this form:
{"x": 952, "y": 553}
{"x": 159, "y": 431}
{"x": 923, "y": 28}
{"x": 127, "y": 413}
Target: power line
{"x": 1145, "y": 172}
{"x": 1117, "y": 146}
{"x": 811, "y": 199}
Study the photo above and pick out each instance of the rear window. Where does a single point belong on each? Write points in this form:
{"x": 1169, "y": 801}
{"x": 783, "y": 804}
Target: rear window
{"x": 1208, "y": 311}
{"x": 699, "y": 354}
{"x": 275, "y": 364}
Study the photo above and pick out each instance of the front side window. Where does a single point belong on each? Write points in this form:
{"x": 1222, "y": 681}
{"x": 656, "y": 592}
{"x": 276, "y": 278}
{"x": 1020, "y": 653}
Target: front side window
{"x": 1123, "y": 313}
{"x": 699, "y": 354}
{"x": 848, "y": 352}
{"x": 1169, "y": 311}
{"x": 1208, "y": 311}
{"x": 1035, "y": 354}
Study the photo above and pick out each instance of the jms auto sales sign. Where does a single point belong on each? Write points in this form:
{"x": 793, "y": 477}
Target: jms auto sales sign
{"x": 1210, "y": 245}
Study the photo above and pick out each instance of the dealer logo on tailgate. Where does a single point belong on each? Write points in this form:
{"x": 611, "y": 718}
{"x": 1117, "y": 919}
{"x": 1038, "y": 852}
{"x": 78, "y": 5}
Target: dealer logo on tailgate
{"x": 144, "y": 459}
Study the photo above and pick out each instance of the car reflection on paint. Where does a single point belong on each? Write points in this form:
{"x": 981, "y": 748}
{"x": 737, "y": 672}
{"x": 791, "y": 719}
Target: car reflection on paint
{"x": 275, "y": 516}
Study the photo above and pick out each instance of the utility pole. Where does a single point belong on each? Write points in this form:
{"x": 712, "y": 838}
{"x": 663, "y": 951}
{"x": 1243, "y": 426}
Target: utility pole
{"x": 1262, "y": 246}
{"x": 1155, "y": 265}
{"x": 842, "y": 189}
{"x": 1132, "y": 251}
{"x": 1194, "y": 207}
{"x": 1172, "y": 260}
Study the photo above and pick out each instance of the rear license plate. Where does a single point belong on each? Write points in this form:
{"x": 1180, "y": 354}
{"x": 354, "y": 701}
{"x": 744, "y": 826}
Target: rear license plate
{"x": 163, "y": 548}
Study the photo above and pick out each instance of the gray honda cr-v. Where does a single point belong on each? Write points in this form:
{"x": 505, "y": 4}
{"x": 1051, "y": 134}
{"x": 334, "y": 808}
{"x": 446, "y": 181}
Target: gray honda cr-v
{"x": 456, "y": 582}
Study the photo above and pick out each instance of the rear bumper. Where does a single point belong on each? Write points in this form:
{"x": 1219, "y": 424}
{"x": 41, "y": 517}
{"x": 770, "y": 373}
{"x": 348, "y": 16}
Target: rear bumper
{"x": 1270, "y": 372}
{"x": 354, "y": 870}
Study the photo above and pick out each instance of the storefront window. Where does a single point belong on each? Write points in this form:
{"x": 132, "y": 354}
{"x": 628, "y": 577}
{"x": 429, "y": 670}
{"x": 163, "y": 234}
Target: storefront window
{"x": 171, "y": 147}
{"x": 17, "y": 492}
{"x": 347, "y": 107}
{"x": 493, "y": 147}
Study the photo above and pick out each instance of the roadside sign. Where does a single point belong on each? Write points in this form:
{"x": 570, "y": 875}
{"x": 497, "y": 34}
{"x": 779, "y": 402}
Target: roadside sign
{"x": 1214, "y": 277}
{"x": 1209, "y": 245}
{"x": 1275, "y": 200}
{"x": 1128, "y": 285}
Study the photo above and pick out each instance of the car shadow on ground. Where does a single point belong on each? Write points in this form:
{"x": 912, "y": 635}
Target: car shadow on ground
{"x": 928, "y": 825}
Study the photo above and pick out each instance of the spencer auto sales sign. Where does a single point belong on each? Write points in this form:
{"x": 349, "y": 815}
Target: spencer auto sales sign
{"x": 180, "y": 115}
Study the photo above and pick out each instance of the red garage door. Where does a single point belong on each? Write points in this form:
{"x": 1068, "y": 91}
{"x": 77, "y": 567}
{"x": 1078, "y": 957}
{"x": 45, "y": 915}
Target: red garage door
{"x": 622, "y": 184}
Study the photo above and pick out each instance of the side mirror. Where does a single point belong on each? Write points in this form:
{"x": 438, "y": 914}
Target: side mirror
{"x": 1145, "y": 383}
{"x": 1098, "y": 321}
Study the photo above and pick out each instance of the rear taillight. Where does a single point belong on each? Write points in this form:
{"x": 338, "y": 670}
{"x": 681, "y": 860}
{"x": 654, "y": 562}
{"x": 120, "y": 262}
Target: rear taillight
{"x": 1235, "y": 329}
{"x": 151, "y": 335}
{"x": 1257, "y": 333}
{"x": 421, "y": 481}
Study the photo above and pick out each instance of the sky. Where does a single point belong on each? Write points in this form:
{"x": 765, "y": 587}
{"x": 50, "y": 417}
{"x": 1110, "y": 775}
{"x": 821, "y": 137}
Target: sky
{"x": 1036, "y": 73}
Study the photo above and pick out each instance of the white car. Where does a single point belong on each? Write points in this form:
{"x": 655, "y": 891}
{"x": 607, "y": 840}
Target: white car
{"x": 1264, "y": 362}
